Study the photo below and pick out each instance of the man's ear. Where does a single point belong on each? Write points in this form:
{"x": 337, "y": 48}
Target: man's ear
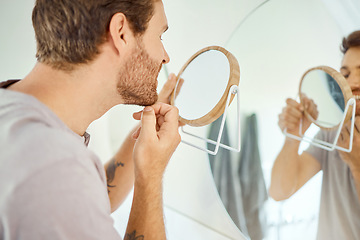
{"x": 119, "y": 31}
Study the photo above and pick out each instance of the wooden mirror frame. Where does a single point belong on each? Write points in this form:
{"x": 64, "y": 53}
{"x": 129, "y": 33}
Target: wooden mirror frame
{"x": 344, "y": 86}
{"x": 219, "y": 108}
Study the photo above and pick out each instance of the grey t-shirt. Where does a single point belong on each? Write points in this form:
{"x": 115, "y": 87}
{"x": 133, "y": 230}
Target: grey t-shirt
{"x": 339, "y": 216}
{"x": 51, "y": 185}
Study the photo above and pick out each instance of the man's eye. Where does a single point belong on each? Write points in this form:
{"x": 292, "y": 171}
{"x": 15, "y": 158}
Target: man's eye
{"x": 346, "y": 75}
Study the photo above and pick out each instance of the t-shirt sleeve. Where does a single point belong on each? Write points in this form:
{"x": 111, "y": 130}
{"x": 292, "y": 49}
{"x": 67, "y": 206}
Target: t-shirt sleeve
{"x": 63, "y": 201}
{"x": 318, "y": 153}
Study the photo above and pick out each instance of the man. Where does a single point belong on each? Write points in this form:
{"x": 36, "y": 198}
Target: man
{"x": 92, "y": 55}
{"x": 339, "y": 216}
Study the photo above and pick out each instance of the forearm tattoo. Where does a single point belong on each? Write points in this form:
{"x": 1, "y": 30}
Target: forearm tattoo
{"x": 110, "y": 172}
{"x": 132, "y": 236}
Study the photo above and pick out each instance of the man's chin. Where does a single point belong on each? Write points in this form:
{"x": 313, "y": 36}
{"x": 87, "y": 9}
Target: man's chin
{"x": 146, "y": 102}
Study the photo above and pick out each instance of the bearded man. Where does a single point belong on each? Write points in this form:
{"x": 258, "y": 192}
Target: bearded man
{"x": 91, "y": 56}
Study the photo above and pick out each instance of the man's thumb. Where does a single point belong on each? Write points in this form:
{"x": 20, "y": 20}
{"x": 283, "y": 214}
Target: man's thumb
{"x": 148, "y": 122}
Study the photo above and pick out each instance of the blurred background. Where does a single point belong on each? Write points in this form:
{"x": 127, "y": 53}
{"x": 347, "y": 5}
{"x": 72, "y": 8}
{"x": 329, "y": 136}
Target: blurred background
{"x": 275, "y": 42}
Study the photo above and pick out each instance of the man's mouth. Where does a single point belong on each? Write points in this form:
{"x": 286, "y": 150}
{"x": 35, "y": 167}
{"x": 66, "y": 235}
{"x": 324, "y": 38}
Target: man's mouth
{"x": 357, "y": 97}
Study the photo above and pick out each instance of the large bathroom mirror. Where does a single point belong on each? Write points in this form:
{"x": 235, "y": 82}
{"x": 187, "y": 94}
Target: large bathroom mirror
{"x": 207, "y": 77}
{"x": 274, "y": 45}
{"x": 325, "y": 91}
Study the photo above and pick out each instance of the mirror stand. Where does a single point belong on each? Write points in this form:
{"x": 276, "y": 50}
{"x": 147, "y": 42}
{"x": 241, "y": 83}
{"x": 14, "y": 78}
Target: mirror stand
{"x": 233, "y": 90}
{"x": 326, "y": 145}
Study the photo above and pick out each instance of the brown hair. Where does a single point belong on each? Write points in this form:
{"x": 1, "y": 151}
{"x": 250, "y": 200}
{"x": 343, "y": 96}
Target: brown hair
{"x": 353, "y": 40}
{"x": 69, "y": 32}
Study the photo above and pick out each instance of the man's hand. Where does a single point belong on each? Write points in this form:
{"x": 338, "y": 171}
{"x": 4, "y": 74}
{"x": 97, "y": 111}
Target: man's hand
{"x": 352, "y": 159}
{"x": 165, "y": 95}
{"x": 168, "y": 88}
{"x": 293, "y": 113}
{"x": 156, "y": 141}
{"x": 120, "y": 169}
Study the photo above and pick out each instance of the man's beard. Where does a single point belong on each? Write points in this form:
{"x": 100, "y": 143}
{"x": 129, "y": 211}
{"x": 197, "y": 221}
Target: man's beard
{"x": 138, "y": 78}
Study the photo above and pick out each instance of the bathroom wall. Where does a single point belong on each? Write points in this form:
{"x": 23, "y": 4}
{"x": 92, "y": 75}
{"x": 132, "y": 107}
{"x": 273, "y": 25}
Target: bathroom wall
{"x": 272, "y": 60}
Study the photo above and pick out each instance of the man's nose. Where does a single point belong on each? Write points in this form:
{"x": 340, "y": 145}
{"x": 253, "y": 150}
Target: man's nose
{"x": 354, "y": 81}
{"x": 166, "y": 58}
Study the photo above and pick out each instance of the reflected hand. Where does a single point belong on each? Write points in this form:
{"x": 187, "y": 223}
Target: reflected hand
{"x": 310, "y": 107}
{"x": 352, "y": 159}
{"x": 291, "y": 116}
{"x": 156, "y": 141}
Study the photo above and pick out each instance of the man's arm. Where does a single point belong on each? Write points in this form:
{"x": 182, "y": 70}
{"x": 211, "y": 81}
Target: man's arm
{"x": 120, "y": 172}
{"x": 156, "y": 142}
{"x": 120, "y": 169}
{"x": 291, "y": 170}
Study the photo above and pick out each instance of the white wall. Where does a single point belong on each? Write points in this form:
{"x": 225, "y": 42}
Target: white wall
{"x": 274, "y": 47}
{"x": 17, "y": 40}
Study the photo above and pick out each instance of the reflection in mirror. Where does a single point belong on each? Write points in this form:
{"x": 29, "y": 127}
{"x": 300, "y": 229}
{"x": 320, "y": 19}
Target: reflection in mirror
{"x": 273, "y": 50}
{"x": 208, "y": 76}
{"x": 324, "y": 93}
{"x": 213, "y": 67}
{"x": 239, "y": 179}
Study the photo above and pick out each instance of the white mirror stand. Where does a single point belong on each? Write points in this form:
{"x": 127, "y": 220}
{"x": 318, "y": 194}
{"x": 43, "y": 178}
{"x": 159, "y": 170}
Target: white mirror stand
{"x": 327, "y": 145}
{"x": 234, "y": 89}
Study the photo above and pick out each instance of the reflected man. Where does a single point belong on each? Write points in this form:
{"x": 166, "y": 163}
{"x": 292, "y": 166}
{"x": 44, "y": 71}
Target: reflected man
{"x": 339, "y": 216}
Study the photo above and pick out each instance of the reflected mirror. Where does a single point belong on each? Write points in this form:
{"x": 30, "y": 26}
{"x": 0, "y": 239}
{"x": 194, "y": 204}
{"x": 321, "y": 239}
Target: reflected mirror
{"x": 324, "y": 93}
{"x": 208, "y": 76}
{"x": 274, "y": 46}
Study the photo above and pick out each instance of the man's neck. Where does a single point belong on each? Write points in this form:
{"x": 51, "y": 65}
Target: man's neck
{"x": 77, "y": 98}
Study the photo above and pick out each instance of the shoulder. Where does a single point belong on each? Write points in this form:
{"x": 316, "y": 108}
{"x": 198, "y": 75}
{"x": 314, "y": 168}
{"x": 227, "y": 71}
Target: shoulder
{"x": 62, "y": 201}
{"x": 31, "y": 129}
{"x": 33, "y": 140}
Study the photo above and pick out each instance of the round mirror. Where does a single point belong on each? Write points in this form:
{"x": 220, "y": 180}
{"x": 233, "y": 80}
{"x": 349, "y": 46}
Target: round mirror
{"x": 326, "y": 92}
{"x": 208, "y": 76}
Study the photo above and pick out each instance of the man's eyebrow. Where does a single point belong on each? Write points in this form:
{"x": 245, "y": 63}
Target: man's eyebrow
{"x": 346, "y": 68}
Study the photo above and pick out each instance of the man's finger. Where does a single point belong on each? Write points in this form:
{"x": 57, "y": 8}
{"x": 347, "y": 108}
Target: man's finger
{"x": 136, "y": 134}
{"x": 148, "y": 123}
{"x": 295, "y": 104}
{"x": 170, "y": 116}
{"x": 294, "y": 112}
{"x": 167, "y": 89}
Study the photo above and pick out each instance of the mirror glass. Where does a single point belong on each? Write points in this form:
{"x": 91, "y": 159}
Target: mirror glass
{"x": 321, "y": 90}
{"x": 275, "y": 46}
{"x": 207, "y": 77}
{"x": 205, "y": 81}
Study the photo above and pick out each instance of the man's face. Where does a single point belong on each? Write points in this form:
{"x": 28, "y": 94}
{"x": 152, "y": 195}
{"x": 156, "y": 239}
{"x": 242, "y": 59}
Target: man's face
{"x": 350, "y": 69}
{"x": 138, "y": 77}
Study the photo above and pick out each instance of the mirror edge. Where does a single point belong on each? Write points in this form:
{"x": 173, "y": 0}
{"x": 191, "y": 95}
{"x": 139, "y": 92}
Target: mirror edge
{"x": 344, "y": 86}
{"x": 219, "y": 108}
